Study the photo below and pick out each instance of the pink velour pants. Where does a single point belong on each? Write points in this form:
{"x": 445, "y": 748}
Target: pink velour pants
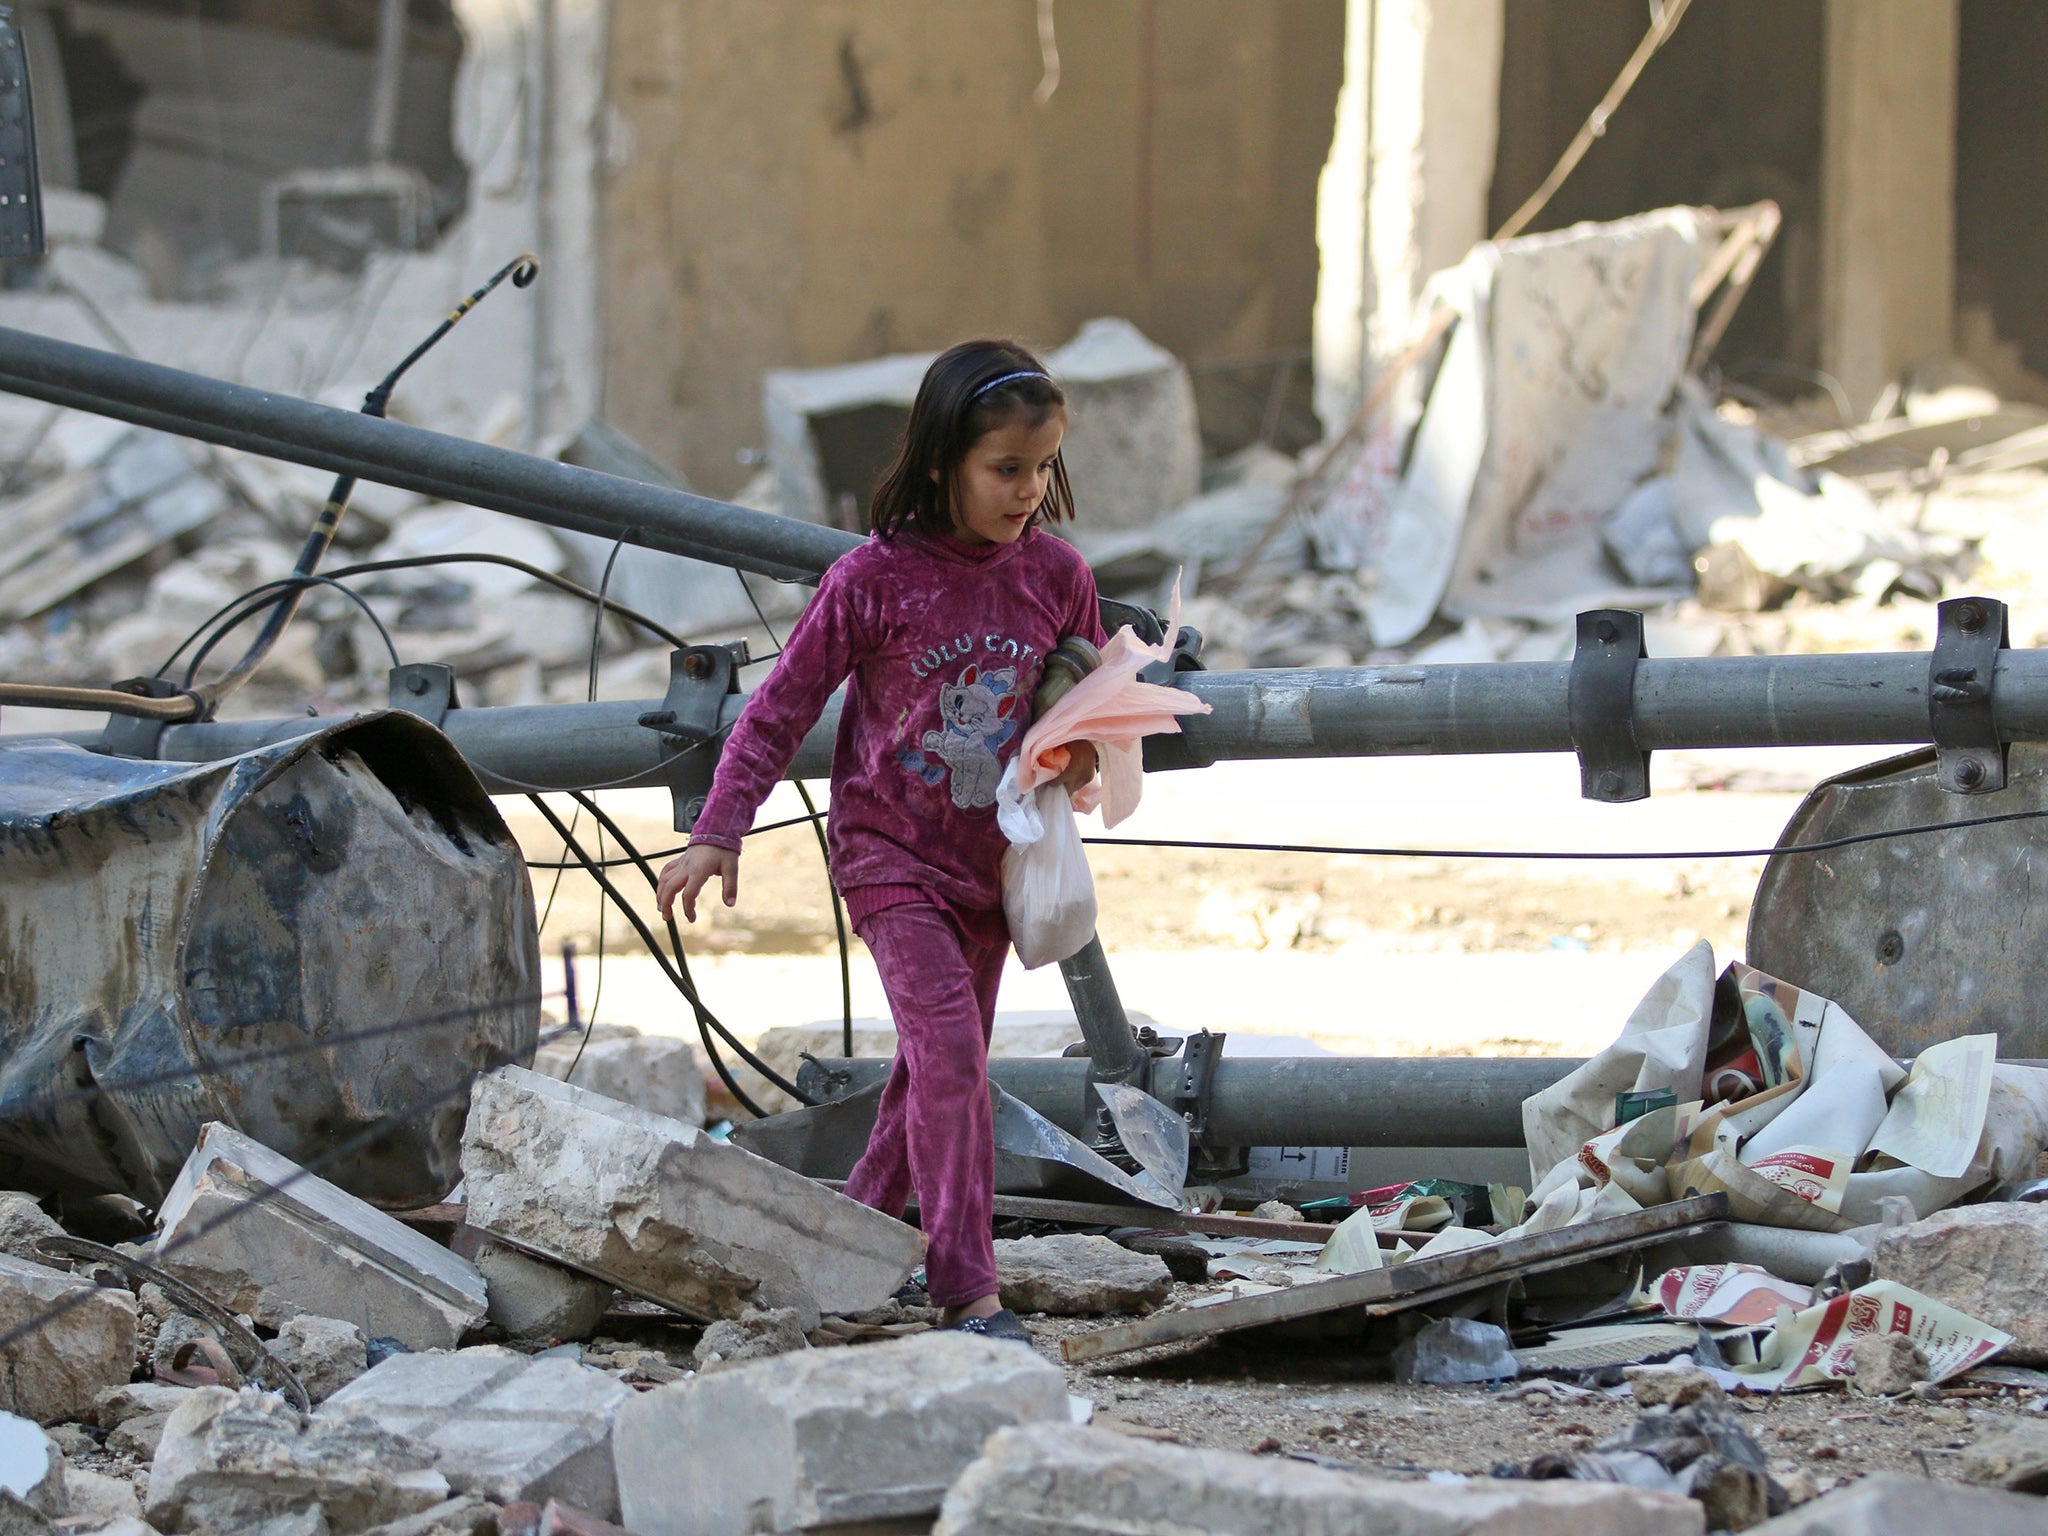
{"x": 933, "y": 1131}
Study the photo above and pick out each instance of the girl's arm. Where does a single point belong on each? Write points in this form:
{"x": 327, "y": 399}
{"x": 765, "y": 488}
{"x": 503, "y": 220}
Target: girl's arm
{"x": 820, "y": 652}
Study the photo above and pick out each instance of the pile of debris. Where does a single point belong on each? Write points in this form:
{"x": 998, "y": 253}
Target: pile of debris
{"x": 622, "y": 1321}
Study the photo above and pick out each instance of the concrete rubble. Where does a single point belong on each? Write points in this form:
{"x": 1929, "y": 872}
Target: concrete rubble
{"x": 1074, "y": 1276}
{"x": 1990, "y": 1261}
{"x": 230, "y": 1460}
{"x": 2016, "y": 1460}
{"x": 325, "y": 1353}
{"x": 657, "y": 1073}
{"x": 1891, "y": 1505}
{"x": 1061, "y": 1480}
{"x": 824, "y": 1438}
{"x": 658, "y": 1208}
{"x": 82, "y": 1341}
{"x": 135, "y": 1416}
{"x": 32, "y": 1469}
{"x": 533, "y": 1299}
{"x": 501, "y": 1426}
{"x": 298, "y": 1244}
{"x": 750, "y": 1336}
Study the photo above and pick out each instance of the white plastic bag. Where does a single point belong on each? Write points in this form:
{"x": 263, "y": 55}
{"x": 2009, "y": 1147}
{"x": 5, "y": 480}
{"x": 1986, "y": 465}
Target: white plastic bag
{"x": 1048, "y": 892}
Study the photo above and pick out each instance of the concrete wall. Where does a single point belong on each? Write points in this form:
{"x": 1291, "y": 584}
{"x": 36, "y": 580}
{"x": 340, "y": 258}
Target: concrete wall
{"x": 1888, "y": 202}
{"x": 801, "y": 185}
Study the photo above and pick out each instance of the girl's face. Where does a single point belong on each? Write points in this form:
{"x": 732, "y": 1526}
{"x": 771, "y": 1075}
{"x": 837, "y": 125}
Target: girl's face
{"x": 1004, "y": 478}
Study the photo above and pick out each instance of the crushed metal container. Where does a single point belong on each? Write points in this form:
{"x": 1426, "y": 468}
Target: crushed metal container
{"x": 298, "y": 942}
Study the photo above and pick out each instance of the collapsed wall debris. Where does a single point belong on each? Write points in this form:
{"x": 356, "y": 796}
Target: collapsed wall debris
{"x": 255, "y": 1230}
{"x": 658, "y": 1208}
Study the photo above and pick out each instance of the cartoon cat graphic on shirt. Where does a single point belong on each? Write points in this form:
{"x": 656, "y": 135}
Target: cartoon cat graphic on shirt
{"x": 978, "y": 715}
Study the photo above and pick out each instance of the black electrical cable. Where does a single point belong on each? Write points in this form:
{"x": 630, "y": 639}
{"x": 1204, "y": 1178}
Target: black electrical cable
{"x": 679, "y": 979}
{"x": 824, "y": 852}
{"x": 1848, "y": 840}
{"x": 539, "y": 573}
{"x": 669, "y": 853}
{"x": 256, "y": 600}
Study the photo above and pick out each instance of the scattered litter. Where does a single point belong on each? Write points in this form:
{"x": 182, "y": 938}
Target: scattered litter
{"x": 1455, "y": 1349}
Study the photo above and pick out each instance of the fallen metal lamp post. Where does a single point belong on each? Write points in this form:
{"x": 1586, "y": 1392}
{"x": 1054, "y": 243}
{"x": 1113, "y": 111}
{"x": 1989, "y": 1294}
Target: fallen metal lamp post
{"x": 1969, "y": 698}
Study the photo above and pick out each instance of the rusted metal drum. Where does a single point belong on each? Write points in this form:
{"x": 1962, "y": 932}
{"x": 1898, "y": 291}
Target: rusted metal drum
{"x": 302, "y": 942}
{"x": 1922, "y": 938}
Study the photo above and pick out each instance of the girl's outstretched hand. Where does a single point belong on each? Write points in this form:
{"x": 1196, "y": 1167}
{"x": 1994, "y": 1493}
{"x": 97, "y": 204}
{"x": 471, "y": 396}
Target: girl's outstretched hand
{"x": 690, "y": 872}
{"x": 1080, "y": 765}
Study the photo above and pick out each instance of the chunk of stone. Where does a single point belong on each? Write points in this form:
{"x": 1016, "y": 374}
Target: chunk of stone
{"x": 1073, "y": 1276}
{"x": 462, "y": 1516}
{"x": 831, "y": 1436}
{"x": 31, "y": 1466}
{"x": 1887, "y": 1504}
{"x": 533, "y": 1299}
{"x": 1987, "y": 1261}
{"x": 750, "y": 1336}
{"x": 325, "y": 1353}
{"x": 19, "y": 1519}
{"x": 233, "y": 1460}
{"x": 1887, "y": 1364}
{"x": 299, "y": 1244}
{"x": 23, "y": 1223}
{"x": 658, "y": 1208}
{"x": 98, "y": 1499}
{"x": 1063, "y": 1480}
{"x": 1676, "y": 1384}
{"x": 504, "y": 1426}
{"x": 64, "y": 1359}
{"x": 657, "y": 1073}
{"x": 137, "y": 1399}
{"x": 2017, "y": 1459}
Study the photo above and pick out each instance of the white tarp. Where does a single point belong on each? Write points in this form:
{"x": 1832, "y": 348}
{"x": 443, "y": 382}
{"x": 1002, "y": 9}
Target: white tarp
{"x": 1545, "y": 411}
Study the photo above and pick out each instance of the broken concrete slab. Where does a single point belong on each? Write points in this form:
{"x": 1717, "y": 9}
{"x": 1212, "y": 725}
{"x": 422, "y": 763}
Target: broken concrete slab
{"x": 750, "y": 1336}
{"x": 231, "y": 1460}
{"x": 1886, "y": 1504}
{"x": 1886, "y": 1365}
{"x": 1063, "y": 1480}
{"x": 657, "y": 1073}
{"x": 325, "y": 1353}
{"x": 660, "y": 1209}
{"x": 23, "y": 1222}
{"x": 832, "y": 1436}
{"x": 1989, "y": 1261}
{"x": 2016, "y": 1460}
{"x": 60, "y": 1364}
{"x": 31, "y": 1466}
{"x": 1072, "y": 1276}
{"x": 533, "y": 1299}
{"x": 135, "y": 1416}
{"x": 299, "y": 1244}
{"x": 463, "y": 1516}
{"x": 504, "y": 1426}
{"x": 93, "y": 1500}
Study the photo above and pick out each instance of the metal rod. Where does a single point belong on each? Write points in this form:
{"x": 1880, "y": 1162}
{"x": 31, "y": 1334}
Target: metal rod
{"x": 387, "y": 81}
{"x": 1744, "y": 701}
{"x": 431, "y": 463}
{"x": 1299, "y": 1101}
{"x": 1105, "y": 1028}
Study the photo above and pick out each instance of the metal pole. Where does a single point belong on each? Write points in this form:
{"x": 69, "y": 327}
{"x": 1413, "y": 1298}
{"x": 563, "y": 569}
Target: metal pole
{"x": 431, "y": 463}
{"x": 1298, "y": 1101}
{"x": 387, "y": 81}
{"x": 1737, "y": 701}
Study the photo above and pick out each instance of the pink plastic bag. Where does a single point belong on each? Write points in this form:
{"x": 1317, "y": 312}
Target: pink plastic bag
{"x": 1048, "y": 892}
{"x": 1111, "y": 708}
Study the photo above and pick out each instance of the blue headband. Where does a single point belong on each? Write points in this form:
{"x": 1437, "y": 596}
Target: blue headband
{"x": 1007, "y": 378}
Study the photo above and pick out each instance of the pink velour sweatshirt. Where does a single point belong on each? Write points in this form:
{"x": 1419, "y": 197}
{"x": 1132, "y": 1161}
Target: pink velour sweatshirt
{"x": 941, "y": 646}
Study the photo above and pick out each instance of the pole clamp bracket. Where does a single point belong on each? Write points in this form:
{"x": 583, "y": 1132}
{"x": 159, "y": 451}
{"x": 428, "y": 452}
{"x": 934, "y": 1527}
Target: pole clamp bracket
{"x": 700, "y": 679}
{"x": 1962, "y": 672}
{"x": 1612, "y": 766}
{"x": 1190, "y": 1082}
{"x": 426, "y": 689}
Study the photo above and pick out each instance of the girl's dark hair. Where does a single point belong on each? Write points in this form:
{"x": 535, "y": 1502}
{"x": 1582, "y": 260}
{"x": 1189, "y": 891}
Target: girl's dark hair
{"x": 955, "y": 407}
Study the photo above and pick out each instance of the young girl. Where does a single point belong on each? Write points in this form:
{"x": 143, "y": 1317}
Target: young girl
{"x": 939, "y": 625}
